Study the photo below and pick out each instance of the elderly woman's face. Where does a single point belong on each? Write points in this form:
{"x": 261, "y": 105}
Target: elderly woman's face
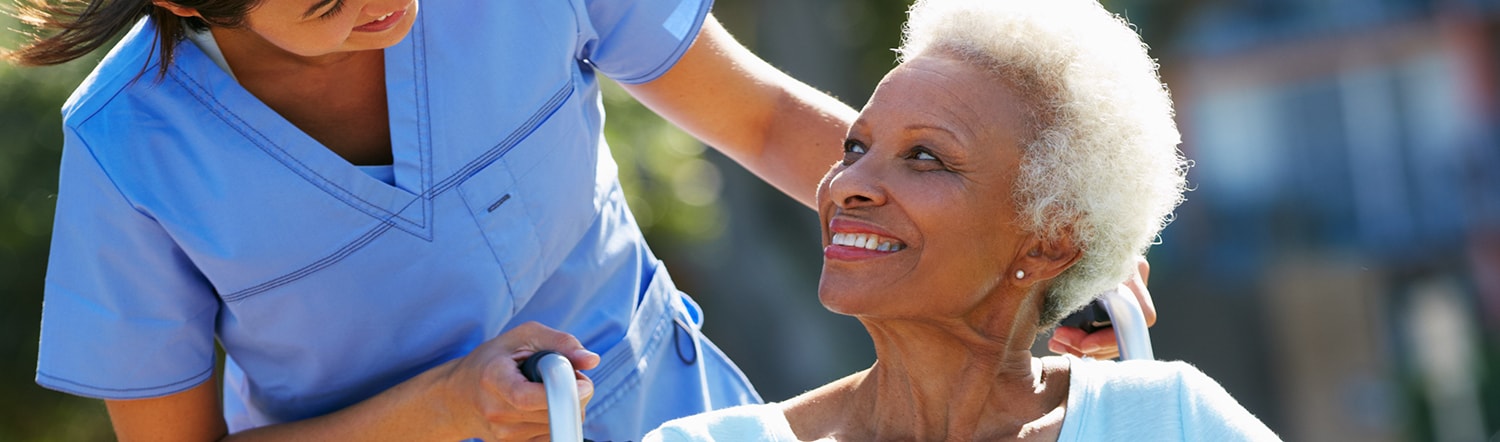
{"x": 918, "y": 218}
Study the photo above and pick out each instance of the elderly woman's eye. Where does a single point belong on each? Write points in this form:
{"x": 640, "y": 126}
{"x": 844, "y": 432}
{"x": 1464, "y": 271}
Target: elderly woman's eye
{"x": 852, "y": 151}
{"x": 922, "y": 153}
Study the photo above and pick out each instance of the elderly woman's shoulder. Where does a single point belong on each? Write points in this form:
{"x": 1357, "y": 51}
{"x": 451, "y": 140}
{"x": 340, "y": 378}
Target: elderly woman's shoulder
{"x": 1142, "y": 375}
{"x": 760, "y": 422}
{"x": 1135, "y": 380}
{"x": 1154, "y": 400}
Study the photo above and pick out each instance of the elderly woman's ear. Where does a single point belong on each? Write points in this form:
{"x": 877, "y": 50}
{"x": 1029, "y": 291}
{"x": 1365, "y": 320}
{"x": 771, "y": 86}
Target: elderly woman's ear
{"x": 1044, "y": 259}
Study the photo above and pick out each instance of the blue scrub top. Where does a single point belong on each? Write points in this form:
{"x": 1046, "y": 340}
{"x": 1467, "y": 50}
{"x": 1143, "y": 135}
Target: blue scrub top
{"x": 188, "y": 211}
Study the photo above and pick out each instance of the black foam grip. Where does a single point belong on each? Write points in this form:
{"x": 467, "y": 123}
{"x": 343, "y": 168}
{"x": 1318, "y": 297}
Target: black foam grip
{"x": 1092, "y": 318}
{"x": 528, "y": 366}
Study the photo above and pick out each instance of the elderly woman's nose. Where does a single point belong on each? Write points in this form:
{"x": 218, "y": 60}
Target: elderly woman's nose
{"x": 858, "y": 184}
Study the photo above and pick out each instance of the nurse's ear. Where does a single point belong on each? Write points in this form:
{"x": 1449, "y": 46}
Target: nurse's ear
{"x": 176, "y": 9}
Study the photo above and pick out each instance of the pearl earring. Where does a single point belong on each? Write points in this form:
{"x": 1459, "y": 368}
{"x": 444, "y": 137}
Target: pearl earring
{"x": 1020, "y": 274}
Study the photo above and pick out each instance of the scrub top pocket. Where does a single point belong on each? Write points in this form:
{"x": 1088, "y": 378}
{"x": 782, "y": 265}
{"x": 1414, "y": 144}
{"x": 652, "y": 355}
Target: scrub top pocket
{"x": 539, "y": 197}
{"x": 689, "y": 375}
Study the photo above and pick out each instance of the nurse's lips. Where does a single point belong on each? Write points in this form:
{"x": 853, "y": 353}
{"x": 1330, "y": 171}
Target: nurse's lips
{"x": 383, "y": 22}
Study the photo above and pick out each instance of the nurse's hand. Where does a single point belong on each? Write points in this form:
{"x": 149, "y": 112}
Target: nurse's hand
{"x": 1101, "y": 344}
{"x": 494, "y": 400}
{"x": 481, "y": 395}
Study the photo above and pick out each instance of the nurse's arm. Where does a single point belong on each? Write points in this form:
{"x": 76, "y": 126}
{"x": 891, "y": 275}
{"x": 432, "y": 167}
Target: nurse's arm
{"x": 784, "y": 131}
{"x": 481, "y": 395}
{"x": 195, "y": 415}
{"x": 192, "y": 415}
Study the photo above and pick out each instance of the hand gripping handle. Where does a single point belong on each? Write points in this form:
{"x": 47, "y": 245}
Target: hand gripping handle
{"x": 564, "y": 417}
{"x": 1121, "y": 311}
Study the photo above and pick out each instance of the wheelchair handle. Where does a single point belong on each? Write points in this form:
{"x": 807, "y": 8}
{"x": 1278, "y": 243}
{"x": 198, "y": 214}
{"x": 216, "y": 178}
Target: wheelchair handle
{"x": 564, "y": 417}
{"x": 1121, "y": 311}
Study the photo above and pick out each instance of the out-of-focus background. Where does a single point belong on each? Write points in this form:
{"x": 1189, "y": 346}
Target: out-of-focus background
{"x": 1337, "y": 267}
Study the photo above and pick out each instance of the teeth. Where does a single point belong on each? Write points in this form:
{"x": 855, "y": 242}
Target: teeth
{"x": 867, "y": 241}
{"x": 383, "y": 17}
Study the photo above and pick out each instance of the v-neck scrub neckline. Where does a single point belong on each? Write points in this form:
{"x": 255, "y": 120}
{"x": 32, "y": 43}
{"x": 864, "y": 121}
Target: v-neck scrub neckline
{"x": 273, "y": 134}
{"x": 206, "y": 43}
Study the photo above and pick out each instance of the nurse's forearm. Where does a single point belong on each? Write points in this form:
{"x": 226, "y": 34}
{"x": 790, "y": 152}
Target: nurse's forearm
{"x": 784, "y": 131}
{"x": 481, "y": 395}
{"x": 804, "y": 138}
{"x": 412, "y": 410}
{"x": 407, "y": 412}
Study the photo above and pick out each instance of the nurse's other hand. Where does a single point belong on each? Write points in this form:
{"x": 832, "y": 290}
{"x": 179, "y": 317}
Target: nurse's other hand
{"x": 1101, "y": 344}
{"x": 494, "y": 400}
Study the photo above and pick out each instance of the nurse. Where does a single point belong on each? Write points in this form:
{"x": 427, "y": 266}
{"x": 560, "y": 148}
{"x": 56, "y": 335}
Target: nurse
{"x": 372, "y": 205}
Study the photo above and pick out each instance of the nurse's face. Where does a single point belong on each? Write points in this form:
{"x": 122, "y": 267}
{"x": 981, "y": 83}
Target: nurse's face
{"x": 918, "y": 218}
{"x": 312, "y": 28}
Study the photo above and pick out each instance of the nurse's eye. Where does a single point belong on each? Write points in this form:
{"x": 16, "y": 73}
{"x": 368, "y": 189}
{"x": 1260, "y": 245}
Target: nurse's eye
{"x": 338, "y": 6}
{"x": 853, "y": 150}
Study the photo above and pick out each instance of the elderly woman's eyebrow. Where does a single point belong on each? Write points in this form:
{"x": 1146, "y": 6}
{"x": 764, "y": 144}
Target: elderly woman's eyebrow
{"x": 931, "y": 128}
{"x": 961, "y": 134}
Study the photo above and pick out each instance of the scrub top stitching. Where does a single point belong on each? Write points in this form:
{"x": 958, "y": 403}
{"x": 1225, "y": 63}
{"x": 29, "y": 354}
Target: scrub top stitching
{"x": 424, "y": 120}
{"x": 199, "y": 92}
{"x": 419, "y": 73}
{"x": 309, "y": 269}
{"x": 458, "y": 177}
{"x": 386, "y": 218}
{"x": 632, "y": 380}
{"x": 511, "y": 141}
{"x": 192, "y": 380}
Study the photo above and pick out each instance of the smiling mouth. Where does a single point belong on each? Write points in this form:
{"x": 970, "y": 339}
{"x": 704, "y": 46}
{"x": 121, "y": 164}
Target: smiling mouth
{"x": 383, "y": 22}
{"x": 867, "y": 241}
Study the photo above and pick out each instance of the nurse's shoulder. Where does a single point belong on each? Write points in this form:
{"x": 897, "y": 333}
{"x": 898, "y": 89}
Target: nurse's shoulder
{"x": 135, "y": 123}
{"x": 131, "y": 64}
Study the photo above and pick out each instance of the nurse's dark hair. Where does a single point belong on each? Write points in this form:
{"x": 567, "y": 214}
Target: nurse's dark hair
{"x": 65, "y": 30}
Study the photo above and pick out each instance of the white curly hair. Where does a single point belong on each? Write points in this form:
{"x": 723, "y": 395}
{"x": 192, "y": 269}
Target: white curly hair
{"x": 1100, "y": 162}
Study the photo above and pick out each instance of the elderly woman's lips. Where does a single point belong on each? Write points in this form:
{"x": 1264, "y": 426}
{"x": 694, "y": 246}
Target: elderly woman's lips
{"x": 856, "y": 246}
{"x": 854, "y": 240}
{"x": 868, "y": 241}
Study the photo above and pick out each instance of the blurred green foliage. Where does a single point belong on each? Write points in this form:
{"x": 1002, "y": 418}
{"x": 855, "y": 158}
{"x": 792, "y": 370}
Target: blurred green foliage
{"x": 672, "y": 190}
{"x": 30, "y": 144}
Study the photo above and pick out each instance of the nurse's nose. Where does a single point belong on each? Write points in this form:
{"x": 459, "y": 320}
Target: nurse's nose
{"x": 380, "y": 8}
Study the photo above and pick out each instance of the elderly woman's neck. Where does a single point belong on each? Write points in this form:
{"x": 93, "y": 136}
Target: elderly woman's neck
{"x": 967, "y": 377}
{"x": 933, "y": 383}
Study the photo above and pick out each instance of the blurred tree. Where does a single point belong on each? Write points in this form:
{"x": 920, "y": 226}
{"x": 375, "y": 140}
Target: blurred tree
{"x": 671, "y": 189}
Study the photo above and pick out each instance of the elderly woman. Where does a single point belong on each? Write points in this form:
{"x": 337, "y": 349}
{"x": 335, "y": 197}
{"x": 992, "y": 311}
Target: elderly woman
{"x": 1017, "y": 161}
